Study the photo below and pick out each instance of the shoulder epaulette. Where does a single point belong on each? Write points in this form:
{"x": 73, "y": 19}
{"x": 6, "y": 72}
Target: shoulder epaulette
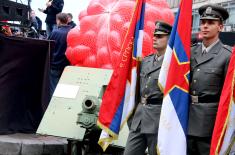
{"x": 228, "y": 48}
{"x": 147, "y": 57}
{"x": 196, "y": 44}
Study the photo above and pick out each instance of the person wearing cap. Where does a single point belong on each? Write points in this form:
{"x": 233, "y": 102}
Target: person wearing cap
{"x": 209, "y": 62}
{"x": 144, "y": 125}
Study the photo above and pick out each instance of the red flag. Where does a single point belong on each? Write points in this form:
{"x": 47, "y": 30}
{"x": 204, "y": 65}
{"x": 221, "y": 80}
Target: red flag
{"x": 223, "y": 135}
{"x": 111, "y": 110}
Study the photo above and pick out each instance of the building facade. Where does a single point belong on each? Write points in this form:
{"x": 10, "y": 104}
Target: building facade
{"x": 228, "y": 4}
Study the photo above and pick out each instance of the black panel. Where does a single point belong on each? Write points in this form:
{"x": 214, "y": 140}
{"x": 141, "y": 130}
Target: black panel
{"x": 13, "y": 11}
{"x": 24, "y": 83}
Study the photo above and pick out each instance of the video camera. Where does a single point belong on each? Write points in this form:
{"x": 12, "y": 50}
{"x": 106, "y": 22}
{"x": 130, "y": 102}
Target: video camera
{"x": 14, "y": 11}
{"x": 17, "y": 16}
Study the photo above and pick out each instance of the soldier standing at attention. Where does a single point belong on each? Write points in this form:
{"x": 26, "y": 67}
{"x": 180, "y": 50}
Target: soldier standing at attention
{"x": 209, "y": 62}
{"x": 144, "y": 126}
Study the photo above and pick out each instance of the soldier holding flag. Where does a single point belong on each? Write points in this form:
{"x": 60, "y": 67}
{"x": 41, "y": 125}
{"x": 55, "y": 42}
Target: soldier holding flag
{"x": 209, "y": 62}
{"x": 144, "y": 126}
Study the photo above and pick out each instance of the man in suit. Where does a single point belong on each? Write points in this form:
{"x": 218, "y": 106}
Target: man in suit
{"x": 144, "y": 126}
{"x": 209, "y": 62}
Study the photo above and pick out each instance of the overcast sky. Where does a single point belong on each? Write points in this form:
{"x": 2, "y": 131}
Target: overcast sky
{"x": 72, "y": 6}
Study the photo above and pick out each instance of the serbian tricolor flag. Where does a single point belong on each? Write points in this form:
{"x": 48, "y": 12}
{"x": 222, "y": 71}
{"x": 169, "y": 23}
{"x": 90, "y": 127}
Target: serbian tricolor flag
{"x": 119, "y": 98}
{"x": 174, "y": 82}
{"x": 223, "y": 139}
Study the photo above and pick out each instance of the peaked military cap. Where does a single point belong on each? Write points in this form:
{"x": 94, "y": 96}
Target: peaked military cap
{"x": 162, "y": 28}
{"x": 213, "y": 12}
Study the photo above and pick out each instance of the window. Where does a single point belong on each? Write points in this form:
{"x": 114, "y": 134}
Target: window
{"x": 170, "y": 2}
{"x": 231, "y": 16}
{"x": 176, "y": 3}
{"x": 196, "y": 20}
{"x": 198, "y": 1}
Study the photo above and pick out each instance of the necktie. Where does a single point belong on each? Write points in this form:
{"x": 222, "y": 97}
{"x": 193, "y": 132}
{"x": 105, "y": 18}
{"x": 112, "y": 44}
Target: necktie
{"x": 155, "y": 63}
{"x": 204, "y": 52}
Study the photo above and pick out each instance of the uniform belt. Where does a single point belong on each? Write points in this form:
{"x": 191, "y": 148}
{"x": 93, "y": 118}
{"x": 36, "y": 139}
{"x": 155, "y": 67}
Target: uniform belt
{"x": 154, "y": 101}
{"x": 206, "y": 99}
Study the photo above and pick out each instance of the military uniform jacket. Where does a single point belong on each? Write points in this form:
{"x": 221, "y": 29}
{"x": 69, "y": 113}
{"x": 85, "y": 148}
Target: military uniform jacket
{"x": 207, "y": 77}
{"x": 147, "y": 116}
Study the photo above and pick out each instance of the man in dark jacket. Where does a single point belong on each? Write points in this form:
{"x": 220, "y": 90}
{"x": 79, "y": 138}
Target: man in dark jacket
{"x": 35, "y": 21}
{"x": 71, "y": 22}
{"x": 144, "y": 126}
{"x": 209, "y": 62}
{"x": 35, "y": 25}
{"x": 53, "y": 8}
{"x": 58, "y": 58}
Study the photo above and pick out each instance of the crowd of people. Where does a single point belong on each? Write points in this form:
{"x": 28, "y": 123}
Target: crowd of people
{"x": 54, "y": 7}
{"x": 33, "y": 27}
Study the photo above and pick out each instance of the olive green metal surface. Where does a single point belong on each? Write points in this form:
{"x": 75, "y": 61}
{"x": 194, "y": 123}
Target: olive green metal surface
{"x": 60, "y": 118}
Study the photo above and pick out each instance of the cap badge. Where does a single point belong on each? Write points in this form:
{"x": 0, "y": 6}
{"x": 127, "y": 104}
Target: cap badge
{"x": 157, "y": 25}
{"x": 208, "y": 10}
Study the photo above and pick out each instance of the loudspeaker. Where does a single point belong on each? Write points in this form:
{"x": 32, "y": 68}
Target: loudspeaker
{"x": 13, "y": 11}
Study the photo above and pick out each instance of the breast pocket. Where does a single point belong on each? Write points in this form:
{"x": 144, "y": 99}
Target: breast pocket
{"x": 213, "y": 76}
{"x": 154, "y": 87}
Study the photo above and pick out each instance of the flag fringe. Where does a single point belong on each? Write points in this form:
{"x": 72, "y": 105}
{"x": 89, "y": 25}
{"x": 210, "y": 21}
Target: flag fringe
{"x": 161, "y": 87}
{"x": 230, "y": 146}
{"x": 227, "y": 118}
{"x": 158, "y": 151}
{"x": 104, "y": 142}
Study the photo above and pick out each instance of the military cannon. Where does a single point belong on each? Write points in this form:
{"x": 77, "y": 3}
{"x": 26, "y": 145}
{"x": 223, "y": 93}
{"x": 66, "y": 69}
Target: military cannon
{"x": 87, "y": 118}
{"x": 74, "y": 109}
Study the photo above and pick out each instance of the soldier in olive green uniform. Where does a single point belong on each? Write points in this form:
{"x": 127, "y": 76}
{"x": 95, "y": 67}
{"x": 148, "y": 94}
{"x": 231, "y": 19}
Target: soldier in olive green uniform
{"x": 144, "y": 126}
{"x": 209, "y": 62}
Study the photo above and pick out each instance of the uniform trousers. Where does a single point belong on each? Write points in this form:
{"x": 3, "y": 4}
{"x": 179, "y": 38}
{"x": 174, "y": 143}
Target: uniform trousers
{"x": 137, "y": 143}
{"x": 198, "y": 145}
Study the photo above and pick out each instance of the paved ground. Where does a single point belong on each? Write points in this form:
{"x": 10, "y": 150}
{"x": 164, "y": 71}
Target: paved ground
{"x": 30, "y": 144}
